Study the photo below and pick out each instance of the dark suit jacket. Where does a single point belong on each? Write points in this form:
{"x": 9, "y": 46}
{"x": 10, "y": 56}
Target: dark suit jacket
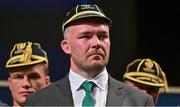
{"x": 59, "y": 94}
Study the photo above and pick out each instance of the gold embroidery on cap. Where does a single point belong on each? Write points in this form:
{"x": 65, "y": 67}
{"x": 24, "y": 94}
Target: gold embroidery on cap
{"x": 148, "y": 79}
{"x": 148, "y": 66}
{"x": 26, "y": 57}
{"x": 20, "y": 48}
{"x": 85, "y": 6}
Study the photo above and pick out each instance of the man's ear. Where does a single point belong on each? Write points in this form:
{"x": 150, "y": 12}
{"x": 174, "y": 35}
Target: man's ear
{"x": 9, "y": 82}
{"x": 65, "y": 46}
{"x": 48, "y": 80}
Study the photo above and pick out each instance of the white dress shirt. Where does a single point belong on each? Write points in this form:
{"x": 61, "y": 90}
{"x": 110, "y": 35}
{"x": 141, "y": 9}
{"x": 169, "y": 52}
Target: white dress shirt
{"x": 99, "y": 92}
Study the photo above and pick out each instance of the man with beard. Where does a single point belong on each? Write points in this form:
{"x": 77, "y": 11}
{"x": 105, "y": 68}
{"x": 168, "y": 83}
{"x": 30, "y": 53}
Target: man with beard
{"x": 87, "y": 42}
{"x": 28, "y": 71}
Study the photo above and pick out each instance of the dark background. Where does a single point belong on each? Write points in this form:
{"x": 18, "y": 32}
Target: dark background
{"x": 140, "y": 29}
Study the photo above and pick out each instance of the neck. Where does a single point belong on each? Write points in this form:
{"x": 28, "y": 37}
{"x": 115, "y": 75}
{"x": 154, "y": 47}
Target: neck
{"x": 87, "y": 74}
{"x": 15, "y": 104}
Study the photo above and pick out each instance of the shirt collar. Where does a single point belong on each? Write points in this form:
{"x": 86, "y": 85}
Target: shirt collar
{"x": 100, "y": 80}
{"x": 75, "y": 79}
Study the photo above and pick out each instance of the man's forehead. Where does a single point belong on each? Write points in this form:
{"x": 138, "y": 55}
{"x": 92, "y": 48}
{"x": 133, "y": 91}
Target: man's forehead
{"x": 24, "y": 68}
{"x": 26, "y": 72}
{"x": 88, "y": 27}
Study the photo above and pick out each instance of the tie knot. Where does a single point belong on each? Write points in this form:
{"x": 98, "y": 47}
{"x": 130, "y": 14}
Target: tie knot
{"x": 88, "y": 86}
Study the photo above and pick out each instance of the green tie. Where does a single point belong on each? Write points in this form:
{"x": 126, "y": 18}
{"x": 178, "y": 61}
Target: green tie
{"x": 88, "y": 99}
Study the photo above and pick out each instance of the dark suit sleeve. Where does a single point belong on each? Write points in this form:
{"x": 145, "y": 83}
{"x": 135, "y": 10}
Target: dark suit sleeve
{"x": 56, "y": 94}
{"x": 42, "y": 97}
{"x": 28, "y": 101}
{"x": 150, "y": 101}
{"x": 120, "y": 94}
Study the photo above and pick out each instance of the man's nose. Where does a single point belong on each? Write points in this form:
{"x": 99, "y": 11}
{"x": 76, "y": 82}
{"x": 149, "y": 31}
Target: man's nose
{"x": 96, "y": 42}
{"x": 26, "y": 82}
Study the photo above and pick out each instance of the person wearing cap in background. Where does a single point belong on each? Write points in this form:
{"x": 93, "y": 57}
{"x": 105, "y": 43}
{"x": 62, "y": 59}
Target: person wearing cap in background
{"x": 28, "y": 71}
{"x": 147, "y": 76}
{"x": 87, "y": 42}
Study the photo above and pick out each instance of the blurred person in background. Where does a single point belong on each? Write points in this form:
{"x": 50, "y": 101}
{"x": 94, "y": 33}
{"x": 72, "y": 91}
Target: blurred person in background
{"x": 28, "y": 71}
{"x": 147, "y": 76}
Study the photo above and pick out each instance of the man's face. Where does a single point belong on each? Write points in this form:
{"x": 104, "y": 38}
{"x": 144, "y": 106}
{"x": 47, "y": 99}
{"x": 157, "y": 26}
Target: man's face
{"x": 88, "y": 44}
{"x": 25, "y": 80}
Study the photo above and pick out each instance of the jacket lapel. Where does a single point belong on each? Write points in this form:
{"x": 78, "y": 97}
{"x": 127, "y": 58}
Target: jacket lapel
{"x": 115, "y": 95}
{"x": 63, "y": 91}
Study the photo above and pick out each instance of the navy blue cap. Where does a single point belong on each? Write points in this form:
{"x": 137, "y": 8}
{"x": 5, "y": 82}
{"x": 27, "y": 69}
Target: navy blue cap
{"x": 26, "y": 53}
{"x": 85, "y": 11}
{"x": 146, "y": 71}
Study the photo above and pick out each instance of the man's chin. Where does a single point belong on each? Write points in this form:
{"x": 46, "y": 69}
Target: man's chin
{"x": 96, "y": 67}
{"x": 22, "y": 102}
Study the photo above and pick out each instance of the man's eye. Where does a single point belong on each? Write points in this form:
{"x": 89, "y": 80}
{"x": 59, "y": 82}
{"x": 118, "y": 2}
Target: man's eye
{"x": 33, "y": 77}
{"x": 85, "y": 36}
{"x": 102, "y": 37}
{"x": 18, "y": 77}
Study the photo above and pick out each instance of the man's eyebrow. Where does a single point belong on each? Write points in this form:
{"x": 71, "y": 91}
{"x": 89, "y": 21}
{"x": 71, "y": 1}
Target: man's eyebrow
{"x": 85, "y": 32}
{"x": 33, "y": 74}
